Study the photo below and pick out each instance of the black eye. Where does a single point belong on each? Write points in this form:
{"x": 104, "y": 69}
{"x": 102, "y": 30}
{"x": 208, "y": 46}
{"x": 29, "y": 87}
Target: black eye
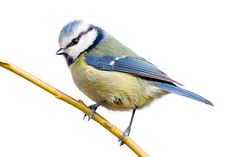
{"x": 75, "y": 41}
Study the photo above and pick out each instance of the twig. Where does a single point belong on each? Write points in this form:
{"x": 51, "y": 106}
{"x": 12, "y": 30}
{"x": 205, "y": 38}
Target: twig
{"x": 76, "y": 103}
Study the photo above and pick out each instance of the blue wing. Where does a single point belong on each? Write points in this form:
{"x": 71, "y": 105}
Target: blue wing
{"x": 128, "y": 64}
{"x": 141, "y": 68}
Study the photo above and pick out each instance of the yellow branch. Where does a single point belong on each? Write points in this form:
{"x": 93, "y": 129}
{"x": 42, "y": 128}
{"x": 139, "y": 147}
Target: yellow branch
{"x": 78, "y": 104}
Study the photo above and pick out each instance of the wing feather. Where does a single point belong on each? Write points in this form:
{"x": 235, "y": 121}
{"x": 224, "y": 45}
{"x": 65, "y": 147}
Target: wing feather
{"x": 129, "y": 64}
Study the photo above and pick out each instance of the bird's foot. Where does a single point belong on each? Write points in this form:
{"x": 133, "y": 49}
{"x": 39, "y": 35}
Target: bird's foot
{"x": 125, "y": 133}
{"x": 93, "y": 108}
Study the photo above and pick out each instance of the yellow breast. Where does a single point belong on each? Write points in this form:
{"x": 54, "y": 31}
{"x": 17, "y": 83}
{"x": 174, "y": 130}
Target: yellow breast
{"x": 121, "y": 91}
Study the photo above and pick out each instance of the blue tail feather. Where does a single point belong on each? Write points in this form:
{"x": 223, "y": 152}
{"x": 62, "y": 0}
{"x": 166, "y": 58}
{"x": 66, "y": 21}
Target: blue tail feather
{"x": 177, "y": 90}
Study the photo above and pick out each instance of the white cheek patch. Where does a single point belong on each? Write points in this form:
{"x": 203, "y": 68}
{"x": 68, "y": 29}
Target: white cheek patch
{"x": 85, "y": 42}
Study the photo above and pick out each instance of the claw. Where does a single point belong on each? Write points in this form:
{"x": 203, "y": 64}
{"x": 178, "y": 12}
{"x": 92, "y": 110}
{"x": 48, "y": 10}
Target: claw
{"x": 125, "y": 133}
{"x": 93, "y": 109}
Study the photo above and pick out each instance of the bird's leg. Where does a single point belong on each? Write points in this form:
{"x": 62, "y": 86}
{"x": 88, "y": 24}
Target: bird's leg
{"x": 128, "y": 129}
{"x": 93, "y": 109}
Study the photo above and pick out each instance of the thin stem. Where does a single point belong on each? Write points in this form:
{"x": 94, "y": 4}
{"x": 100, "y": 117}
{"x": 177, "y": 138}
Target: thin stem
{"x": 76, "y": 103}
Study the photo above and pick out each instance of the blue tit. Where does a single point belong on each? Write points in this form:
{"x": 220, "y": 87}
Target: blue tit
{"x": 111, "y": 74}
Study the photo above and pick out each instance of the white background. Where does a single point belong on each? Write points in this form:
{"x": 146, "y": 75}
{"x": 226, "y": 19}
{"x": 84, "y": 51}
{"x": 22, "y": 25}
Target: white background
{"x": 192, "y": 41}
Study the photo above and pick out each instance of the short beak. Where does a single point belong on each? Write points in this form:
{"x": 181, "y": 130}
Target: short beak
{"x": 60, "y": 51}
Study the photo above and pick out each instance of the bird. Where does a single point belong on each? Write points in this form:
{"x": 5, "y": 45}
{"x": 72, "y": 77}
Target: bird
{"x": 111, "y": 74}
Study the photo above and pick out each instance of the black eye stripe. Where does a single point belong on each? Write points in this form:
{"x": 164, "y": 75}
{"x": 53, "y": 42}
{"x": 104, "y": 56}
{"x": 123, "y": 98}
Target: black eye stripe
{"x": 76, "y": 40}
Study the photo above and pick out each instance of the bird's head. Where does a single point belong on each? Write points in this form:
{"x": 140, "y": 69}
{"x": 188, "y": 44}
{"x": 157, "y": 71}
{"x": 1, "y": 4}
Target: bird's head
{"x": 77, "y": 37}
